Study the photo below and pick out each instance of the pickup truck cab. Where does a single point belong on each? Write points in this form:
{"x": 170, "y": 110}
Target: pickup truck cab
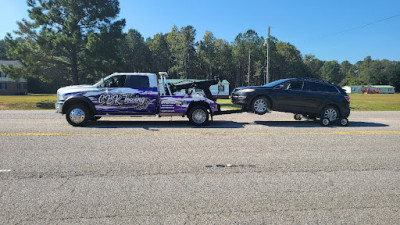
{"x": 133, "y": 94}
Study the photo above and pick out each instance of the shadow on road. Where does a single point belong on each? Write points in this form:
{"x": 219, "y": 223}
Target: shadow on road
{"x": 151, "y": 125}
{"x": 366, "y": 124}
{"x": 315, "y": 124}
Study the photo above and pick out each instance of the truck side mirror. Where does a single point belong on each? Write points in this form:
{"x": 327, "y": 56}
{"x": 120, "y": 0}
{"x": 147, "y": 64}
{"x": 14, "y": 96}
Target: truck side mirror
{"x": 102, "y": 84}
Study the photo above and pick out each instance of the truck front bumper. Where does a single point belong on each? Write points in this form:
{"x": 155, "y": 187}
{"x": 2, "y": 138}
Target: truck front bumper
{"x": 59, "y": 106}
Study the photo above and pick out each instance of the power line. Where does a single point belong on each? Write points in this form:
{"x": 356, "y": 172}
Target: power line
{"x": 365, "y": 25}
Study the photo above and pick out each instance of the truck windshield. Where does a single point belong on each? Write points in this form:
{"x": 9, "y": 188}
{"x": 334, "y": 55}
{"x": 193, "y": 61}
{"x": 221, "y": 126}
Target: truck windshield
{"x": 274, "y": 83}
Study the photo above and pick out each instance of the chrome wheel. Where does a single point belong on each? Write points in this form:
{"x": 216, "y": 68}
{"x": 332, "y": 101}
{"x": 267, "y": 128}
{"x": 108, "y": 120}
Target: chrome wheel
{"x": 199, "y": 116}
{"x": 77, "y": 115}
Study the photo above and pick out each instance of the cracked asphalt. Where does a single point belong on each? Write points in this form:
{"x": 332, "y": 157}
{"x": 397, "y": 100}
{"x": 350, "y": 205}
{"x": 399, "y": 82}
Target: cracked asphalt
{"x": 240, "y": 169}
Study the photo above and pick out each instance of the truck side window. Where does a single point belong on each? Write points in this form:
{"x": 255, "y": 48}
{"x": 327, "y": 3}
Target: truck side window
{"x": 137, "y": 81}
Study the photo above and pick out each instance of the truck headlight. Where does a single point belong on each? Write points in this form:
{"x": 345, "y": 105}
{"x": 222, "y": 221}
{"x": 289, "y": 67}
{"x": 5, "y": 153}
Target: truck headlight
{"x": 60, "y": 97}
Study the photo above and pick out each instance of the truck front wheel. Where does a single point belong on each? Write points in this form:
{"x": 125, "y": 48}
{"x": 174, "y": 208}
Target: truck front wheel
{"x": 77, "y": 115}
{"x": 198, "y": 115}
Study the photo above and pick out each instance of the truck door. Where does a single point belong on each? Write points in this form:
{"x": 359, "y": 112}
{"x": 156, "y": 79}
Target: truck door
{"x": 127, "y": 94}
{"x": 140, "y": 95}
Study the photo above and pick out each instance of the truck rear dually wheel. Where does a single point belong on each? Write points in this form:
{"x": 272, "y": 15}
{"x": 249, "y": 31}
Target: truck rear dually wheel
{"x": 198, "y": 115}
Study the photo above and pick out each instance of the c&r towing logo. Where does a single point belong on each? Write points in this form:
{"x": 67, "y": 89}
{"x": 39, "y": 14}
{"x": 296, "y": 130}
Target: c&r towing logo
{"x": 133, "y": 100}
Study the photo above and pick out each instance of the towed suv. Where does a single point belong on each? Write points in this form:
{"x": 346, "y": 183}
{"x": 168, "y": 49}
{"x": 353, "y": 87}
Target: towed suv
{"x": 310, "y": 98}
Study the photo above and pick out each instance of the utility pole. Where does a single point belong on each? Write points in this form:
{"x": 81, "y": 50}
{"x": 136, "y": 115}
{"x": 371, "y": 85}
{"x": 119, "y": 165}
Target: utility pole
{"x": 248, "y": 69}
{"x": 267, "y": 59}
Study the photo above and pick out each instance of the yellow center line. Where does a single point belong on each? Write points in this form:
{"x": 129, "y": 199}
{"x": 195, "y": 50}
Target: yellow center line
{"x": 200, "y": 133}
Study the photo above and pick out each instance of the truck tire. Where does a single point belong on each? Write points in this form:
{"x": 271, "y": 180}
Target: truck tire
{"x": 77, "y": 115}
{"x": 198, "y": 115}
{"x": 260, "y": 105}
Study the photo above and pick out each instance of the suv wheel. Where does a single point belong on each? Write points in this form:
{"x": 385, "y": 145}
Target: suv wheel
{"x": 328, "y": 114}
{"x": 325, "y": 122}
{"x": 77, "y": 115}
{"x": 260, "y": 105}
{"x": 198, "y": 115}
{"x": 344, "y": 122}
{"x": 298, "y": 116}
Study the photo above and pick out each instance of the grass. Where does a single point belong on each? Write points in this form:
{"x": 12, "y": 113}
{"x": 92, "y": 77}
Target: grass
{"x": 359, "y": 102}
{"x": 375, "y": 102}
{"x": 227, "y": 104}
{"x": 27, "y": 102}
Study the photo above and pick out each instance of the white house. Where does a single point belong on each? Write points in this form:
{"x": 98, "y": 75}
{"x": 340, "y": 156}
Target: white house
{"x": 383, "y": 89}
{"x": 352, "y": 89}
{"x": 10, "y": 86}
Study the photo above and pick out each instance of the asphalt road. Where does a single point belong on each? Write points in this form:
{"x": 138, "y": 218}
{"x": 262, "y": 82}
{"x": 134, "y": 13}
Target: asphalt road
{"x": 242, "y": 168}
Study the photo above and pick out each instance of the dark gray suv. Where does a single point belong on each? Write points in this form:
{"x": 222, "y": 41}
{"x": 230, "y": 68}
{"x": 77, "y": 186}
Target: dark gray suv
{"x": 310, "y": 98}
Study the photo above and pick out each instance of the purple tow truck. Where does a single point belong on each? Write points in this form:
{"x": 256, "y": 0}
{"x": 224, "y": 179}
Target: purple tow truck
{"x": 137, "y": 94}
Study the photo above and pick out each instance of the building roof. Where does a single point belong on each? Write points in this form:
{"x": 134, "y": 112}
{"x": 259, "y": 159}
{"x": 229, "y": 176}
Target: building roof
{"x": 353, "y": 86}
{"x": 16, "y": 63}
{"x": 382, "y": 86}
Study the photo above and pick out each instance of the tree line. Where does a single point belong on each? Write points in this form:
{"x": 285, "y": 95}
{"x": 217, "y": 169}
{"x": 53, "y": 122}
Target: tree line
{"x": 75, "y": 42}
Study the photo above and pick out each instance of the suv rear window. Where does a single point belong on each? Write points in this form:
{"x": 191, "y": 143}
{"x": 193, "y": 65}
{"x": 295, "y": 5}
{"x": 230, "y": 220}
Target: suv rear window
{"x": 330, "y": 89}
{"x": 312, "y": 86}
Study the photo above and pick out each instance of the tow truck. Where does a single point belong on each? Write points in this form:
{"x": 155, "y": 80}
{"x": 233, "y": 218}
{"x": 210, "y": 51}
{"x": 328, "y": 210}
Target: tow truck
{"x": 138, "y": 94}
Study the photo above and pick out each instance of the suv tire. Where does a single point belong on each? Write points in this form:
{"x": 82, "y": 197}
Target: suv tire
{"x": 329, "y": 114}
{"x": 260, "y": 105}
{"x": 77, "y": 115}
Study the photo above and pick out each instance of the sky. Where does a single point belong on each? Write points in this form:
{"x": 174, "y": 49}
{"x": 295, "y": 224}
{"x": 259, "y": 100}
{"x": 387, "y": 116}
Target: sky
{"x": 330, "y": 30}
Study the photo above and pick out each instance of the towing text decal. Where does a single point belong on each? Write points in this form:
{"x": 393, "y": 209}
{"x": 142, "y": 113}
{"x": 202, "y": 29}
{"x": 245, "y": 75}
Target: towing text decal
{"x": 135, "y": 100}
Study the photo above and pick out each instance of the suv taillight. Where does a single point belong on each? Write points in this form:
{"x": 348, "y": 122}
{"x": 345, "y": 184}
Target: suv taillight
{"x": 347, "y": 98}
